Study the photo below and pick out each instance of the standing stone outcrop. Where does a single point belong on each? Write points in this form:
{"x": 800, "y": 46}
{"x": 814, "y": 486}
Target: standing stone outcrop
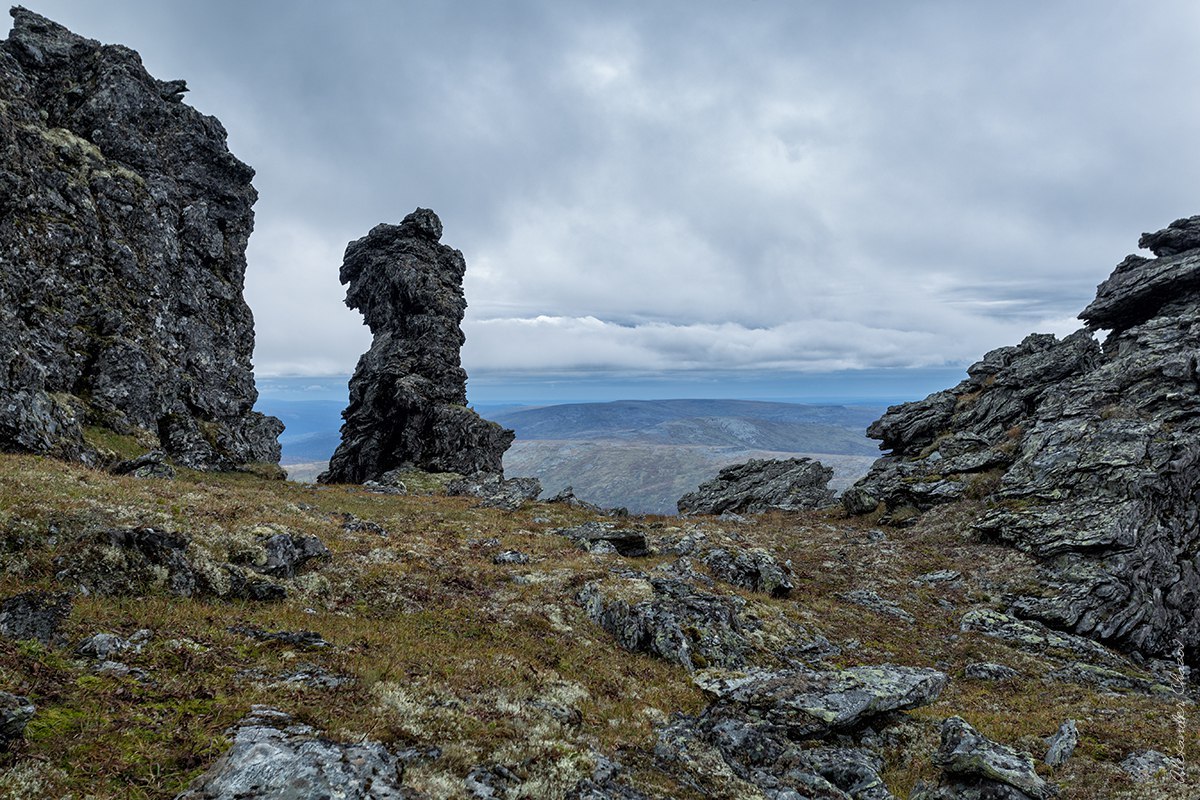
{"x": 123, "y": 227}
{"x": 408, "y": 395}
{"x": 762, "y": 485}
{"x": 1086, "y": 456}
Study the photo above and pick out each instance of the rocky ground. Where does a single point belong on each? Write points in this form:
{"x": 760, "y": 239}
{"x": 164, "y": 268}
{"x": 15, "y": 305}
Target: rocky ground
{"x": 167, "y": 630}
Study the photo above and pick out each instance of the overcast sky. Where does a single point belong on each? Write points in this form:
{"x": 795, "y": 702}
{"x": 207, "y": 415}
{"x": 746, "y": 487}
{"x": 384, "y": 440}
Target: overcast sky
{"x": 685, "y": 186}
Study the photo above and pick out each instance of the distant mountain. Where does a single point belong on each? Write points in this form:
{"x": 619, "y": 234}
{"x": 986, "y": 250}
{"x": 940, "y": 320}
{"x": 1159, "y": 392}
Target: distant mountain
{"x": 645, "y": 454}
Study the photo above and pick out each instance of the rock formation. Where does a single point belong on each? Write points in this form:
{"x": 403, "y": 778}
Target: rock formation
{"x": 408, "y": 395}
{"x": 1086, "y": 456}
{"x": 759, "y": 485}
{"x": 123, "y": 228}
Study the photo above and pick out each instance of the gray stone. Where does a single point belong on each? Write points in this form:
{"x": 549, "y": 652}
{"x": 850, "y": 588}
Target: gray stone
{"x": 15, "y": 713}
{"x": 754, "y": 569}
{"x": 969, "y": 758}
{"x": 984, "y": 671}
{"x": 34, "y": 615}
{"x": 408, "y": 395}
{"x": 806, "y": 703}
{"x": 122, "y": 256}
{"x": 756, "y": 486}
{"x": 858, "y": 501}
{"x": 1061, "y": 745}
{"x": 496, "y": 491}
{"x": 1032, "y": 636}
{"x": 148, "y": 465}
{"x": 670, "y": 618}
{"x": 288, "y": 552}
{"x": 103, "y": 646}
{"x": 1148, "y": 765}
{"x": 510, "y": 557}
{"x": 602, "y": 537}
{"x": 1178, "y": 237}
{"x": 567, "y": 497}
{"x": 868, "y": 598}
{"x": 275, "y": 757}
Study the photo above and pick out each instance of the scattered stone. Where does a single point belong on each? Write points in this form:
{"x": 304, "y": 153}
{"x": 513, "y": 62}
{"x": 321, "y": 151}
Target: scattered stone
{"x": 149, "y": 465}
{"x": 487, "y": 782}
{"x": 985, "y": 671}
{"x": 408, "y": 395}
{"x": 604, "y": 784}
{"x": 1147, "y": 765}
{"x": 120, "y": 670}
{"x": 123, "y": 257}
{"x": 975, "y": 767}
{"x": 15, "y": 713}
{"x": 496, "y": 491}
{"x": 307, "y": 675}
{"x": 941, "y": 576}
{"x": 755, "y": 570}
{"x": 858, "y": 501}
{"x": 309, "y": 640}
{"x": 102, "y": 646}
{"x": 510, "y": 557}
{"x": 756, "y": 486}
{"x": 353, "y": 524}
{"x": 869, "y": 599}
{"x": 274, "y": 756}
{"x": 34, "y": 615}
{"x": 606, "y": 537}
{"x": 1061, "y": 745}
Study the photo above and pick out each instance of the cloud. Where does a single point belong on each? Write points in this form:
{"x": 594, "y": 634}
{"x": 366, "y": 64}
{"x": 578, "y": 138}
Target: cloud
{"x": 687, "y": 186}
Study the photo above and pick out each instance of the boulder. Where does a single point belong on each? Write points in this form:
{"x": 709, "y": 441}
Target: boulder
{"x": 408, "y": 395}
{"x": 606, "y": 537}
{"x": 496, "y": 491}
{"x": 753, "y": 569}
{"x": 1061, "y": 745}
{"x": 761, "y": 485}
{"x": 1147, "y": 765}
{"x": 124, "y": 220}
{"x": 1084, "y": 455}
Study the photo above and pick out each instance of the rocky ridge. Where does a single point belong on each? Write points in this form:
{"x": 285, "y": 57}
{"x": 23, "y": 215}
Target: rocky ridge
{"x": 759, "y": 485}
{"x": 1084, "y": 454}
{"x": 123, "y": 227}
{"x": 408, "y": 395}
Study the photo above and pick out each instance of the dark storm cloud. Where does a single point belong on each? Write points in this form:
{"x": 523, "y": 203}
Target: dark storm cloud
{"x": 689, "y": 186}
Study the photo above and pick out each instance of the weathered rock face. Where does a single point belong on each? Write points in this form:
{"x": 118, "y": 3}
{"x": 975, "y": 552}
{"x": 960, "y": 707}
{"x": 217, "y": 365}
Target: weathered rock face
{"x": 408, "y": 395}
{"x": 1086, "y": 456}
{"x": 123, "y": 229}
{"x": 760, "y": 485}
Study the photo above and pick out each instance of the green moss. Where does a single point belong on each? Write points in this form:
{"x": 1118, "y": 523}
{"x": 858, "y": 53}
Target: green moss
{"x": 109, "y": 441}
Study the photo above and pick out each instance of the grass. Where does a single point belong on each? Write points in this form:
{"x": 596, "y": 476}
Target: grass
{"x": 443, "y": 647}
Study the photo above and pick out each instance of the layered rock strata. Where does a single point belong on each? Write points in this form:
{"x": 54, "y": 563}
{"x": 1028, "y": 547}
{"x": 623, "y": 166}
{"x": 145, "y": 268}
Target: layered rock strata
{"x": 123, "y": 227}
{"x": 1085, "y": 455}
{"x": 408, "y": 394}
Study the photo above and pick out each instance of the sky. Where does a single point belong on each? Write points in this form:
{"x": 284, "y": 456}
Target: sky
{"x": 693, "y": 193}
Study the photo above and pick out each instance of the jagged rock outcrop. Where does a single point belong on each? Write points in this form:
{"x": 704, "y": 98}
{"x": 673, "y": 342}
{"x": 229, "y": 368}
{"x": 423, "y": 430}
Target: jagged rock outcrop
{"x": 976, "y": 768}
{"x": 1086, "y": 456}
{"x": 123, "y": 227}
{"x": 408, "y": 395}
{"x": 762, "y": 485}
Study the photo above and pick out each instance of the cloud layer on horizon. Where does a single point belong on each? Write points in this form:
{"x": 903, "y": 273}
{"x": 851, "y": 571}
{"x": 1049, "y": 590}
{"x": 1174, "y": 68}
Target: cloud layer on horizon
{"x": 692, "y": 186}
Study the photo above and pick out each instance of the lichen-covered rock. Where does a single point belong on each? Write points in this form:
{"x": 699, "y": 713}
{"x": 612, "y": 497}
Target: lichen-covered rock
{"x": 1086, "y": 456}
{"x": 15, "y": 713}
{"x": 670, "y": 618}
{"x": 138, "y": 561}
{"x": 34, "y": 615}
{"x": 408, "y": 394}
{"x": 806, "y": 703}
{"x": 977, "y": 768}
{"x": 600, "y": 537}
{"x": 496, "y": 491}
{"x": 1147, "y": 765}
{"x": 1060, "y": 746}
{"x": 123, "y": 227}
{"x": 275, "y": 757}
{"x": 762, "y": 485}
{"x": 754, "y": 569}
